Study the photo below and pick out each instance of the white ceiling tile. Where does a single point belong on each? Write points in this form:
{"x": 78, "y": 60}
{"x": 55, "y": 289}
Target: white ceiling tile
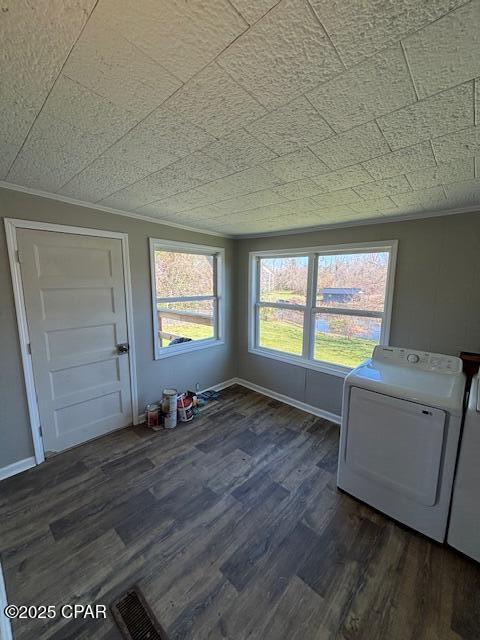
{"x": 299, "y": 189}
{"x": 112, "y": 67}
{"x": 359, "y": 29}
{"x": 344, "y": 216}
{"x": 385, "y": 187}
{"x": 284, "y": 54}
{"x": 250, "y": 201}
{"x": 457, "y": 170}
{"x": 423, "y": 199}
{"x": 435, "y": 116}
{"x": 182, "y": 36}
{"x": 341, "y": 197}
{"x": 392, "y": 164}
{"x": 36, "y": 38}
{"x": 262, "y": 213}
{"x": 301, "y": 206}
{"x": 373, "y": 88}
{"x": 101, "y": 178}
{"x": 301, "y": 164}
{"x": 199, "y": 166}
{"x": 253, "y": 11}
{"x": 184, "y": 201}
{"x": 8, "y": 153}
{"x": 462, "y": 144}
{"x": 215, "y": 102}
{"x": 47, "y": 173}
{"x": 127, "y": 199}
{"x": 175, "y": 178}
{"x": 375, "y": 205}
{"x": 464, "y": 193}
{"x": 118, "y": 125}
{"x": 159, "y": 140}
{"x": 291, "y": 127}
{"x": 239, "y": 151}
{"x": 54, "y": 152}
{"x": 134, "y": 150}
{"x": 195, "y": 215}
{"x": 350, "y": 148}
{"x": 247, "y": 181}
{"x": 82, "y": 108}
{"x": 445, "y": 53}
{"x": 16, "y": 117}
{"x": 343, "y": 179}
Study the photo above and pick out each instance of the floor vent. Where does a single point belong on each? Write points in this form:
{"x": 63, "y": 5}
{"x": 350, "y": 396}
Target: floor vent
{"x": 134, "y": 617}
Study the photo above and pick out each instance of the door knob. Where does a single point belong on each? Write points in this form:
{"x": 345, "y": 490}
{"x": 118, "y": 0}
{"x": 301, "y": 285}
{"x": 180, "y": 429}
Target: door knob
{"x": 124, "y": 347}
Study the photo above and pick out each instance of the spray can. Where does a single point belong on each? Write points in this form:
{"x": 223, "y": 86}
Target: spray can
{"x": 169, "y": 408}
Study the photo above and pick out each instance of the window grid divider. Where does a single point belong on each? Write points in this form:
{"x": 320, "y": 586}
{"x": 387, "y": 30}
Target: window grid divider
{"x": 310, "y": 309}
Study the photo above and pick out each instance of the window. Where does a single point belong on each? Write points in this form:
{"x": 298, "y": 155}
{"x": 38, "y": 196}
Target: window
{"x": 187, "y": 296}
{"x": 323, "y": 307}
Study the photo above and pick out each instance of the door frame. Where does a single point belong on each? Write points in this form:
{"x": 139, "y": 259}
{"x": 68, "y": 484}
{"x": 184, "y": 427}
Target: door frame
{"x": 11, "y": 226}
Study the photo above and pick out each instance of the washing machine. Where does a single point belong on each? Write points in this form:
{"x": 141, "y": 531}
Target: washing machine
{"x": 464, "y": 528}
{"x": 401, "y": 421}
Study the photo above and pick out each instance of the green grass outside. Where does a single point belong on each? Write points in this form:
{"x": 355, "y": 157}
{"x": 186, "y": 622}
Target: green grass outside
{"x": 287, "y": 337}
{"x": 336, "y": 349}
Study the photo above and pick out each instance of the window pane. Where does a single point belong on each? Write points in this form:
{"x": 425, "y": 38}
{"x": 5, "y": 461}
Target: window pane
{"x": 283, "y": 280}
{"x": 183, "y": 274}
{"x": 281, "y": 329}
{"x": 184, "y": 321}
{"x": 356, "y": 281}
{"x": 345, "y": 340}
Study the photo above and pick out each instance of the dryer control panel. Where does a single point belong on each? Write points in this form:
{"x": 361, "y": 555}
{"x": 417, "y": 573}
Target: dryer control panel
{"x": 418, "y": 359}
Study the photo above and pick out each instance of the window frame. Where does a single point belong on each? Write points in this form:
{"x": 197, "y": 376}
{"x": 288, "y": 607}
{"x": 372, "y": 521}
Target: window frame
{"x": 218, "y": 253}
{"x": 307, "y": 360}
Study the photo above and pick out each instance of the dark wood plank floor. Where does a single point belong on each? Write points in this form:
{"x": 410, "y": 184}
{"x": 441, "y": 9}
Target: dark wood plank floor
{"x": 233, "y": 528}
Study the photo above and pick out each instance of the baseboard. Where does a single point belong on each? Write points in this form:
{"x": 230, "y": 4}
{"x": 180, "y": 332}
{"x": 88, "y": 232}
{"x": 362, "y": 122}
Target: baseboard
{"x": 17, "y": 467}
{"x": 308, "y": 408}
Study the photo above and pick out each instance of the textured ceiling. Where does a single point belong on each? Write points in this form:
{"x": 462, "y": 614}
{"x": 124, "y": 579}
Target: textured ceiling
{"x": 244, "y": 116}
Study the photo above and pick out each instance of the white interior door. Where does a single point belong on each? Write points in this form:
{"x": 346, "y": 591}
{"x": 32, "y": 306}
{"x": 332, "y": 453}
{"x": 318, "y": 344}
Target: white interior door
{"x": 396, "y": 443}
{"x": 75, "y": 305}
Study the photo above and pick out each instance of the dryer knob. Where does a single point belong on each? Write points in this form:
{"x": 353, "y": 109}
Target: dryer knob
{"x": 413, "y": 358}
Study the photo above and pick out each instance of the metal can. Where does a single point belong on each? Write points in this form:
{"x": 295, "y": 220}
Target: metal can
{"x": 153, "y": 414}
{"x": 169, "y": 408}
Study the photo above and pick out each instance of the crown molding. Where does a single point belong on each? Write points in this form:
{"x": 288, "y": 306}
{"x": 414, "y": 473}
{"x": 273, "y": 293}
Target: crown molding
{"x": 360, "y": 223}
{"x": 267, "y": 234}
{"x": 98, "y": 207}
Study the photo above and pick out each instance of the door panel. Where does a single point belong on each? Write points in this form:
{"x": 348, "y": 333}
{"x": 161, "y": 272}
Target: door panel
{"x": 75, "y": 305}
{"x": 396, "y": 443}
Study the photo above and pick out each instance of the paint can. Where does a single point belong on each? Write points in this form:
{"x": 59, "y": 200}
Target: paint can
{"x": 169, "y": 408}
{"x": 153, "y": 415}
{"x": 185, "y": 408}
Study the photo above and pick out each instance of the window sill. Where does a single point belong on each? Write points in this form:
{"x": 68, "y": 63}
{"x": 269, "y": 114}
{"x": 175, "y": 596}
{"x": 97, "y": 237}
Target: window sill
{"x": 187, "y": 347}
{"x": 323, "y": 367}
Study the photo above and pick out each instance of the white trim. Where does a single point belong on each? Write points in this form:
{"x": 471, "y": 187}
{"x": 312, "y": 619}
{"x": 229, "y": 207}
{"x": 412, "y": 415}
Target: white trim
{"x": 5, "y": 626}
{"x": 267, "y": 234}
{"x": 312, "y": 253}
{"x": 218, "y": 296}
{"x": 11, "y": 225}
{"x": 424, "y": 215}
{"x": 17, "y": 467}
{"x": 98, "y": 207}
{"x": 303, "y": 406}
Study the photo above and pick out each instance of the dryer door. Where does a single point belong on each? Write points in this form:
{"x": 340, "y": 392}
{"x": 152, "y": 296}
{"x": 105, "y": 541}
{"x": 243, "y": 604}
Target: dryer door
{"x": 395, "y": 443}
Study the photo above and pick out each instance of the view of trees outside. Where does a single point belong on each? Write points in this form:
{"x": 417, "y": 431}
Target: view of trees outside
{"x": 180, "y": 275}
{"x": 351, "y": 281}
